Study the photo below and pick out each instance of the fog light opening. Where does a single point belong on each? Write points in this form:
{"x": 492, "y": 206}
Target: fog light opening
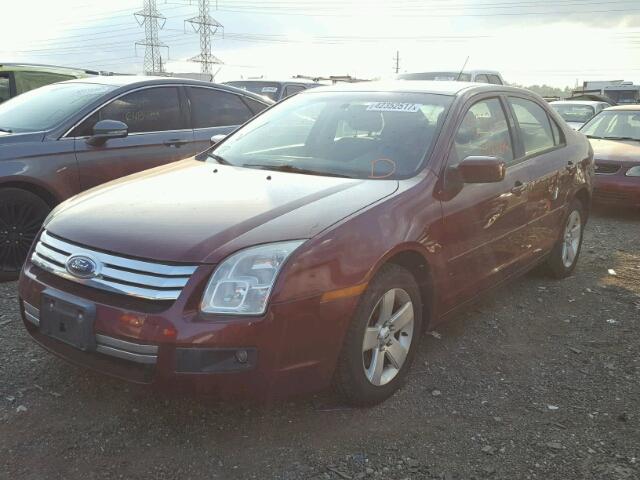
{"x": 242, "y": 356}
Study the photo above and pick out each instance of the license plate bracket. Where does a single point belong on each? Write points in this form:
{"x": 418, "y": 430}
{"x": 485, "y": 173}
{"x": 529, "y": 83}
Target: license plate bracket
{"x": 68, "y": 318}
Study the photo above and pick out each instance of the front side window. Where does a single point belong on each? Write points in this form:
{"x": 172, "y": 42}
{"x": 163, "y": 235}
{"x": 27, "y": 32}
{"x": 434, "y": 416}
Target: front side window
{"x": 358, "y": 135}
{"x": 147, "y": 110}
{"x": 46, "y": 107}
{"x": 481, "y": 78}
{"x": 574, "y": 112}
{"x": 215, "y": 108}
{"x": 535, "y": 127}
{"x": 614, "y": 125}
{"x": 483, "y": 132}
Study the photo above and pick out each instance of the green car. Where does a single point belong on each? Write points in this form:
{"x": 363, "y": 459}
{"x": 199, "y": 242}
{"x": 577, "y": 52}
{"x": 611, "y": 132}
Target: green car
{"x": 17, "y": 78}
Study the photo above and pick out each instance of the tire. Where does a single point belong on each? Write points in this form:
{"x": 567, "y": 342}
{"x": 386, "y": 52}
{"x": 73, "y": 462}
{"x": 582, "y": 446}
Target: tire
{"x": 21, "y": 216}
{"x": 356, "y": 377}
{"x": 559, "y": 264}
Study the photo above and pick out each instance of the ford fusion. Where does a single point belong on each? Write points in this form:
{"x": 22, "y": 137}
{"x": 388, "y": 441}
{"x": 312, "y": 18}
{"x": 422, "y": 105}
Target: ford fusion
{"x": 313, "y": 245}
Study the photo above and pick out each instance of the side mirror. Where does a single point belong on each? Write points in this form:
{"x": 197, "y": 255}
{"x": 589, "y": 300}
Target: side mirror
{"x": 218, "y": 138}
{"x": 106, "y": 129}
{"x": 479, "y": 169}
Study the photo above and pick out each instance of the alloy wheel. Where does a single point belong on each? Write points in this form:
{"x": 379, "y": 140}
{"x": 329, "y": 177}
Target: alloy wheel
{"x": 388, "y": 336}
{"x": 19, "y": 225}
{"x": 571, "y": 243}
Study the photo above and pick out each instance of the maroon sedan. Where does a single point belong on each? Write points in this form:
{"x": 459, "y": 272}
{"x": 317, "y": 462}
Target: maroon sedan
{"x": 314, "y": 244}
{"x": 615, "y": 138}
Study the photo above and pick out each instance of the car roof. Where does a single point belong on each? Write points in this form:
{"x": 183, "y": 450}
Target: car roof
{"x": 632, "y": 108}
{"x": 268, "y": 80}
{"x": 140, "y": 80}
{"x": 576, "y": 102}
{"x": 413, "y": 86}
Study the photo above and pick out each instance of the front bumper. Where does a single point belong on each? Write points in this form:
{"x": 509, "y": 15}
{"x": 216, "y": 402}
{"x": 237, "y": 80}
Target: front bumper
{"x": 292, "y": 349}
{"x": 618, "y": 190}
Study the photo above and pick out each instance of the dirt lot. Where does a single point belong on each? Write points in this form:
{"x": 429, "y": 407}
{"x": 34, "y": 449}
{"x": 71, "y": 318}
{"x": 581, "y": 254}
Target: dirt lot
{"x": 541, "y": 380}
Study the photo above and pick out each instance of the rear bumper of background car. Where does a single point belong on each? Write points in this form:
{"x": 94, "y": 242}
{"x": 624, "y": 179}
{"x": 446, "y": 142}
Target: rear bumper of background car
{"x": 618, "y": 190}
{"x": 291, "y": 349}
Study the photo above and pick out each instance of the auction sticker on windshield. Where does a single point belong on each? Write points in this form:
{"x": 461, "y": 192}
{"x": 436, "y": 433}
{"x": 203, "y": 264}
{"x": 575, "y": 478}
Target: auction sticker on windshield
{"x": 269, "y": 89}
{"x": 394, "y": 107}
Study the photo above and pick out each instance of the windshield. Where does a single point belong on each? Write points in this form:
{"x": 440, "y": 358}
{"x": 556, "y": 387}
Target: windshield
{"x": 357, "y": 135}
{"x": 44, "y": 107}
{"x": 624, "y": 96}
{"x": 268, "y": 89}
{"x": 614, "y": 124}
{"x": 446, "y": 76}
{"x": 574, "y": 112}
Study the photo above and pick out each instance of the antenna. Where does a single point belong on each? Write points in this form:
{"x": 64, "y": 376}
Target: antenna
{"x": 462, "y": 69}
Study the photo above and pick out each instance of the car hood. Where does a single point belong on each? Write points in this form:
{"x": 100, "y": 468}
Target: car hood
{"x": 626, "y": 151}
{"x": 197, "y": 212}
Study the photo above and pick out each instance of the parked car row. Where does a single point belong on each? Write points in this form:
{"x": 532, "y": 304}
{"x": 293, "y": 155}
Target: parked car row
{"x": 61, "y": 139}
{"x": 310, "y": 246}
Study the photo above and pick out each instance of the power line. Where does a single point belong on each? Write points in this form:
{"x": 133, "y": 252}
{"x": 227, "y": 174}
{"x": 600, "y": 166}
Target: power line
{"x": 152, "y": 21}
{"x": 206, "y": 26}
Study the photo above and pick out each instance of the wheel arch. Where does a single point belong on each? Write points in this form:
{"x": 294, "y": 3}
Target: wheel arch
{"x": 584, "y": 196}
{"x": 413, "y": 260}
{"x": 46, "y": 195}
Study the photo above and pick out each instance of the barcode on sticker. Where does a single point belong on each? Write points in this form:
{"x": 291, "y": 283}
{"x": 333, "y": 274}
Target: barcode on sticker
{"x": 394, "y": 107}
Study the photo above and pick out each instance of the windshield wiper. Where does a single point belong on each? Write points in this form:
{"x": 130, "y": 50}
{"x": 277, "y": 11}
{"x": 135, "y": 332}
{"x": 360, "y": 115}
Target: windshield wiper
{"x": 6, "y": 130}
{"x": 292, "y": 169}
{"x": 218, "y": 159}
{"x": 622, "y": 138}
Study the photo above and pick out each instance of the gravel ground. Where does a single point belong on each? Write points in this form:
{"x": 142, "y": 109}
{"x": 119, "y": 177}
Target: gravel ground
{"x": 540, "y": 380}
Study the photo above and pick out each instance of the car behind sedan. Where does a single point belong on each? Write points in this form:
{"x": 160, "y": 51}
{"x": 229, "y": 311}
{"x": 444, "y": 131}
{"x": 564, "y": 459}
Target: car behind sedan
{"x": 64, "y": 138}
{"x": 615, "y": 138}
{"x": 313, "y": 245}
{"x": 578, "y": 112}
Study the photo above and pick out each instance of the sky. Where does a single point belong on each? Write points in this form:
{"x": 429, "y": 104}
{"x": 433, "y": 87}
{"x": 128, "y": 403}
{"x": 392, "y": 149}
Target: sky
{"x": 555, "y": 42}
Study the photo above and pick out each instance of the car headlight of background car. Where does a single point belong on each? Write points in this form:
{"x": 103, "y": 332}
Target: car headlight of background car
{"x": 241, "y": 284}
{"x": 633, "y": 171}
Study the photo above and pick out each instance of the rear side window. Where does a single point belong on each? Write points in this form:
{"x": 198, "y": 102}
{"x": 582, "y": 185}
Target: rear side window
{"x": 255, "y": 106}
{"x": 215, "y": 108}
{"x": 484, "y": 132}
{"x": 535, "y": 127}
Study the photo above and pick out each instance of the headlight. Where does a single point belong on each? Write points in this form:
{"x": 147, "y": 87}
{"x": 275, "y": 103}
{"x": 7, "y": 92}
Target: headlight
{"x": 633, "y": 171}
{"x": 242, "y": 283}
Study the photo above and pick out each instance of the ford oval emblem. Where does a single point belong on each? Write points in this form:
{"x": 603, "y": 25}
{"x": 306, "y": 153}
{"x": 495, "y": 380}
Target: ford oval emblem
{"x": 82, "y": 266}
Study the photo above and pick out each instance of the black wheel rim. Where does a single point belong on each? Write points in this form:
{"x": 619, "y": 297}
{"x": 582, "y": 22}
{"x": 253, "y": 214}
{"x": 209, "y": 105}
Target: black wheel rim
{"x": 19, "y": 225}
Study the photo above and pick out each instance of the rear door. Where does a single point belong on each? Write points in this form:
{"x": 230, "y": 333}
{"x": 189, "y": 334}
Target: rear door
{"x": 159, "y": 133}
{"x": 543, "y": 147}
{"x": 485, "y": 224}
{"x": 215, "y": 111}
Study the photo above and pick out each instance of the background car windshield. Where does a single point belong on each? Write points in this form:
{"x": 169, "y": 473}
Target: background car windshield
{"x": 614, "y": 124}
{"x": 574, "y": 113}
{"x": 359, "y": 135}
{"x": 268, "y": 89}
{"x": 45, "y": 107}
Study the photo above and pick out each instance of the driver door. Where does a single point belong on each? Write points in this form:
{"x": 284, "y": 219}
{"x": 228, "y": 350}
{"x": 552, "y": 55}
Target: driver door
{"x": 484, "y": 223}
{"x": 159, "y": 133}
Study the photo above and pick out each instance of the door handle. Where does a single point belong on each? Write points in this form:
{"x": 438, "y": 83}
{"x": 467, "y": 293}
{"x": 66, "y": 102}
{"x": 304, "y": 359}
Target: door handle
{"x": 518, "y": 188}
{"x": 176, "y": 142}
